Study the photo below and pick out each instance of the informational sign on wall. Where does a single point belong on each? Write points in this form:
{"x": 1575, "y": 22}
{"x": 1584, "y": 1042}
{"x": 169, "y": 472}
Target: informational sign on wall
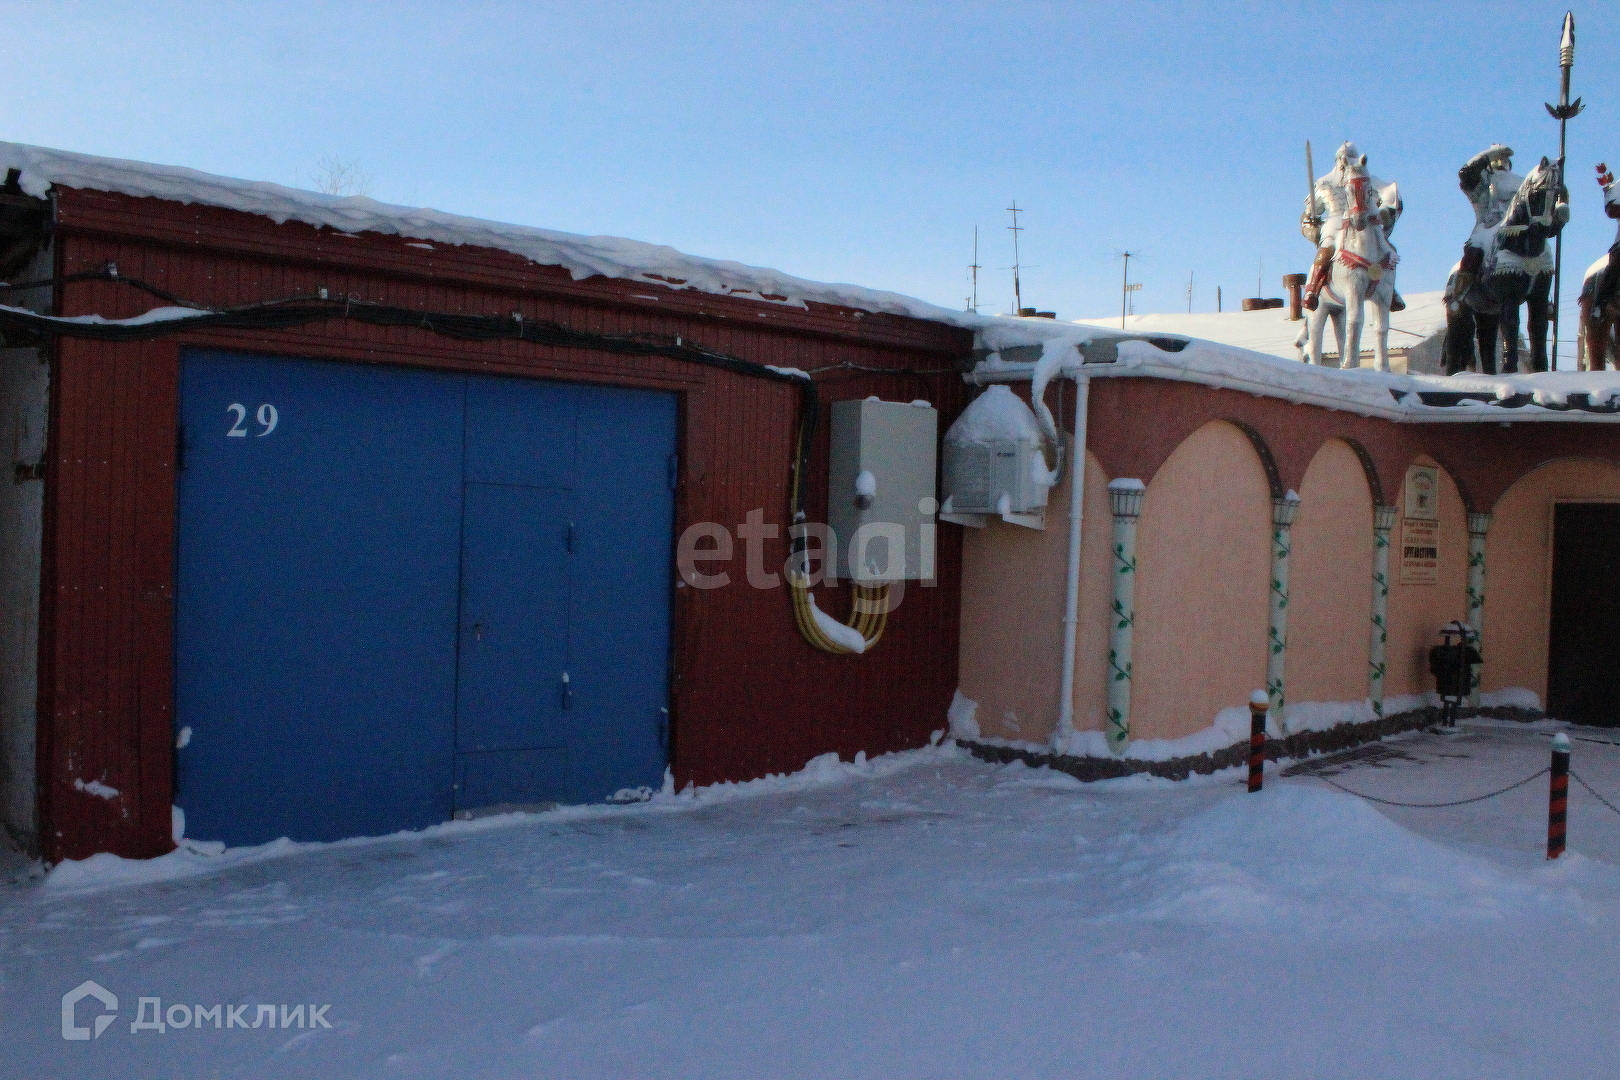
{"x": 1420, "y": 527}
{"x": 1420, "y": 552}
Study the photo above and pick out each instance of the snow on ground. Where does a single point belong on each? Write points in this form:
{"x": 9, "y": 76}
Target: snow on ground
{"x": 919, "y": 915}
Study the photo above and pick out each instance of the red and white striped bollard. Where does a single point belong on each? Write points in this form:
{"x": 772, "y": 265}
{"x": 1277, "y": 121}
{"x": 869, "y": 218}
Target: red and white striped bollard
{"x": 1259, "y": 704}
{"x": 1558, "y": 796}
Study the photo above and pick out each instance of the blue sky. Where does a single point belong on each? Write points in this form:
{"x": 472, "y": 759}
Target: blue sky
{"x": 850, "y": 142}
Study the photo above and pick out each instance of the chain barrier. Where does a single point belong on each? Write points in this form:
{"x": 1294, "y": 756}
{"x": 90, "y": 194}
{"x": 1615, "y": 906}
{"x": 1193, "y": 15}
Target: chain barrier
{"x": 1593, "y": 792}
{"x": 1437, "y": 805}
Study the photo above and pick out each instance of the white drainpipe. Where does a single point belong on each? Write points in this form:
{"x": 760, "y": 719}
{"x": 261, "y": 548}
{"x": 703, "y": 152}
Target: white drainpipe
{"x": 1071, "y": 595}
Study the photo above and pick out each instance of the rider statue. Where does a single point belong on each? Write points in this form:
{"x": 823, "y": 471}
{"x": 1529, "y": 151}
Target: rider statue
{"x": 1490, "y": 184}
{"x": 1608, "y": 284}
{"x": 1324, "y": 219}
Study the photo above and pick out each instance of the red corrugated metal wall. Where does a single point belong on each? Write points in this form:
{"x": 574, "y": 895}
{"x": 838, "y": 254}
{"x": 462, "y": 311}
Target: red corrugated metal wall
{"x": 750, "y": 696}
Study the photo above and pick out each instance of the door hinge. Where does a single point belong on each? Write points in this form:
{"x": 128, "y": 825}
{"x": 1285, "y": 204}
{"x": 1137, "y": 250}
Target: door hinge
{"x": 568, "y": 540}
{"x": 663, "y": 728}
{"x": 674, "y": 467}
{"x": 567, "y": 692}
{"x": 30, "y": 470}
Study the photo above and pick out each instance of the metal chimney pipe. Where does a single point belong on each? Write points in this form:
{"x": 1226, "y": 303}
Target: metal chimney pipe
{"x": 1295, "y": 284}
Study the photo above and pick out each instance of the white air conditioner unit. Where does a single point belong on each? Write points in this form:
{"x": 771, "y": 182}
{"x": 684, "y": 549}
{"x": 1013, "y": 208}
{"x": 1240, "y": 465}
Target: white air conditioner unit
{"x": 994, "y": 463}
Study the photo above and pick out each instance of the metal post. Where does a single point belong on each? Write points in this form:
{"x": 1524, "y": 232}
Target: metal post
{"x": 1383, "y": 522}
{"x": 1125, "y": 291}
{"x": 1283, "y": 512}
{"x": 1018, "y": 287}
{"x": 1478, "y": 525}
{"x": 1558, "y": 796}
{"x": 1125, "y": 497}
{"x": 1562, "y": 112}
{"x": 1258, "y": 704}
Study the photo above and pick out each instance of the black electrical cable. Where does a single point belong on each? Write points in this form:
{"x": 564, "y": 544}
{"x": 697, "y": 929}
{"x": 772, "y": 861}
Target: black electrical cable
{"x": 107, "y": 273}
{"x": 296, "y": 311}
{"x": 866, "y": 369}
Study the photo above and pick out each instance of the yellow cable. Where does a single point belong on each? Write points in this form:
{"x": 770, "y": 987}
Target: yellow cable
{"x": 869, "y": 615}
{"x": 869, "y": 610}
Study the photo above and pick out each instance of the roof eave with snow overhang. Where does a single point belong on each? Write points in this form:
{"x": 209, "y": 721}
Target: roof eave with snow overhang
{"x": 1017, "y": 350}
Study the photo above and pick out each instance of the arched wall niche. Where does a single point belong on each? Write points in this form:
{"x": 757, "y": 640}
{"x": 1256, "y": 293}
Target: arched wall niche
{"x": 1204, "y": 565}
{"x": 1518, "y": 567}
{"x": 1330, "y": 580}
{"x": 1452, "y": 473}
{"x": 1369, "y": 469}
{"x": 1262, "y": 451}
{"x": 1417, "y": 611}
{"x": 1013, "y": 589}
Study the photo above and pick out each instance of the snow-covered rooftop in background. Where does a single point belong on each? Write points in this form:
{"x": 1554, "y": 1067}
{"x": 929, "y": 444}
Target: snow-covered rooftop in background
{"x": 1271, "y": 332}
{"x": 41, "y": 168}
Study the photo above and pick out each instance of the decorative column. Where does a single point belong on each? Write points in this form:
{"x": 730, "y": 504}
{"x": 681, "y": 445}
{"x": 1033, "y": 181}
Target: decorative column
{"x": 1478, "y": 525}
{"x": 1125, "y": 498}
{"x": 1283, "y": 512}
{"x": 1383, "y": 522}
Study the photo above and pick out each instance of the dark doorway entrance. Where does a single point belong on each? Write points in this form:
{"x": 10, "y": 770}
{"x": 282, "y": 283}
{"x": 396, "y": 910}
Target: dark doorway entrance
{"x": 1583, "y": 655}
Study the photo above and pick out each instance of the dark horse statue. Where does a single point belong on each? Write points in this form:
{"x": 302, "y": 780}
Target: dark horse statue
{"x": 1518, "y": 269}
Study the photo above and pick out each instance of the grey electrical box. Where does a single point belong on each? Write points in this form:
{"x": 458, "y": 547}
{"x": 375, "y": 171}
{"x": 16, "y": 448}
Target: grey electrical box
{"x": 880, "y": 489}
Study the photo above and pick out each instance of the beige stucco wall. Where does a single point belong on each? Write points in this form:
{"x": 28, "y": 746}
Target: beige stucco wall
{"x": 1012, "y": 616}
{"x": 1417, "y": 612}
{"x": 1330, "y": 580}
{"x": 1518, "y": 568}
{"x": 1204, "y": 567}
{"x": 1096, "y": 600}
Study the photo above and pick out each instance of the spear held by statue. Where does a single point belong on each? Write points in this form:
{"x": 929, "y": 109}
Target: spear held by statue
{"x": 1562, "y": 113}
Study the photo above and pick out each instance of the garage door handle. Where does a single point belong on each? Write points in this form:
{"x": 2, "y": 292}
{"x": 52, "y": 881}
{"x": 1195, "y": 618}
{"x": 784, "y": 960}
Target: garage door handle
{"x": 567, "y": 692}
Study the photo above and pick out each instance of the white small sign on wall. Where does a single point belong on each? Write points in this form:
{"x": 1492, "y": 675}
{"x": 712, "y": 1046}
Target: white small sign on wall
{"x": 1422, "y": 493}
{"x": 1420, "y": 527}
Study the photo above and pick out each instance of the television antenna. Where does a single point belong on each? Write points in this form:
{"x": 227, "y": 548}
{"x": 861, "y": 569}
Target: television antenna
{"x": 1126, "y": 288}
{"x": 1015, "y": 229}
{"x": 973, "y": 301}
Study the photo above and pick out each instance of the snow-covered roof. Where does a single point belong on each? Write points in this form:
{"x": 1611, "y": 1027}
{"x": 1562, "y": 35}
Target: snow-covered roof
{"x": 41, "y": 168}
{"x": 1245, "y": 350}
{"x": 1271, "y": 332}
{"x": 1025, "y": 349}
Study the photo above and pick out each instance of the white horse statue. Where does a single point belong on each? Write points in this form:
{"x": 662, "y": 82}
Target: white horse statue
{"x": 1363, "y": 272}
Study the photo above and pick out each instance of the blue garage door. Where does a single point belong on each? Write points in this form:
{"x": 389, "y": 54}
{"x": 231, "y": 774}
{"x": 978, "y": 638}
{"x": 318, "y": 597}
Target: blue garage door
{"x": 405, "y": 593}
